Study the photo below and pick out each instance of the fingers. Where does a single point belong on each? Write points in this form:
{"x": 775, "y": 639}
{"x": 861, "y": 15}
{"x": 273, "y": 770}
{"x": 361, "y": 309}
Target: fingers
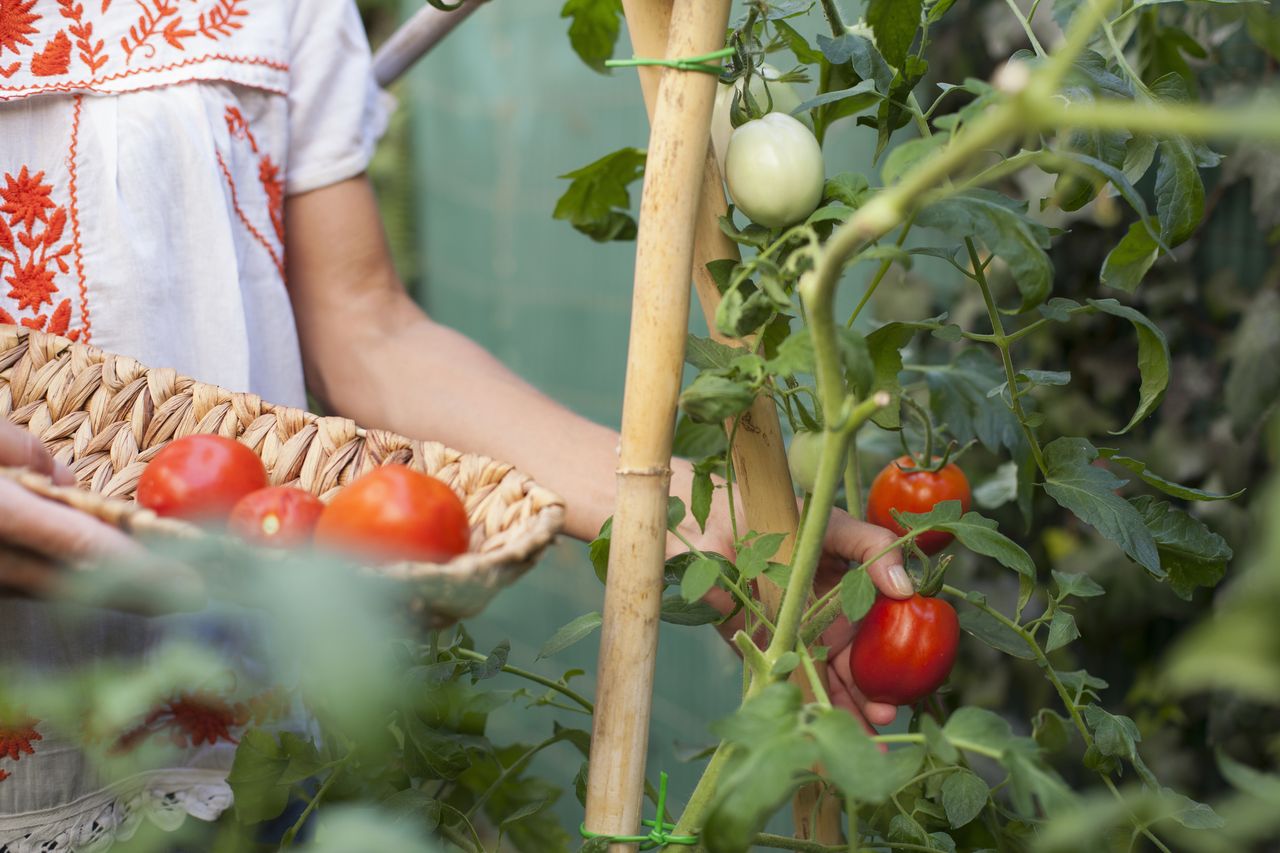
{"x": 858, "y": 541}
{"x": 845, "y": 694}
{"x": 55, "y": 530}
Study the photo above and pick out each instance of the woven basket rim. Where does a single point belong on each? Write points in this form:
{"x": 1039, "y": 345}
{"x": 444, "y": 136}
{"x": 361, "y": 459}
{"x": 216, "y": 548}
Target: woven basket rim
{"x": 523, "y": 538}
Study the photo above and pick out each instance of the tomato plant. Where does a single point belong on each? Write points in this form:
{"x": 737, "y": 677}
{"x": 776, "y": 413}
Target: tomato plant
{"x": 278, "y": 517}
{"x": 904, "y": 649}
{"x": 395, "y": 513}
{"x": 773, "y": 167}
{"x": 200, "y": 478}
{"x": 769, "y": 91}
{"x": 904, "y": 487}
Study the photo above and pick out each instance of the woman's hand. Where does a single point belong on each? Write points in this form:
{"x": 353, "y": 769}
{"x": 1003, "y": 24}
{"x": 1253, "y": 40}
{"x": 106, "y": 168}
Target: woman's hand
{"x": 847, "y": 542}
{"x": 35, "y": 531}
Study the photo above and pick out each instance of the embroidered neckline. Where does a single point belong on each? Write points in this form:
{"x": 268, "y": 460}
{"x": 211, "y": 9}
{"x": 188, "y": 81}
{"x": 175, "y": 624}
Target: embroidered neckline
{"x": 92, "y": 824}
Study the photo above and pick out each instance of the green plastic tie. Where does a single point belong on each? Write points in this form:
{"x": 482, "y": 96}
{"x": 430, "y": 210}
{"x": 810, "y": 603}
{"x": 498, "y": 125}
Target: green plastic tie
{"x": 701, "y": 63}
{"x": 659, "y": 833}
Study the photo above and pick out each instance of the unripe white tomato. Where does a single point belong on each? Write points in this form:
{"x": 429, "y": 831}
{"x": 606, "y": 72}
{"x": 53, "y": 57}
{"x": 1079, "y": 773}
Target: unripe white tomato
{"x": 802, "y": 459}
{"x": 774, "y": 170}
{"x": 784, "y": 97}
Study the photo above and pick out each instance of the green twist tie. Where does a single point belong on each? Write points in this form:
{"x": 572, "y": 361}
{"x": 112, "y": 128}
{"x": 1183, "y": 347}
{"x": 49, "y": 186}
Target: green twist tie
{"x": 701, "y": 63}
{"x": 659, "y": 833}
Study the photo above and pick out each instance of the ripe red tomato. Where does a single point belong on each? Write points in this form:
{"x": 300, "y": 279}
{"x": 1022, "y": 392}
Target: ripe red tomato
{"x": 916, "y": 491}
{"x": 200, "y": 478}
{"x": 277, "y": 517}
{"x": 904, "y": 648}
{"x": 396, "y": 513}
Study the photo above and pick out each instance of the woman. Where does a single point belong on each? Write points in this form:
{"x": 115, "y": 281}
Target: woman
{"x": 161, "y": 161}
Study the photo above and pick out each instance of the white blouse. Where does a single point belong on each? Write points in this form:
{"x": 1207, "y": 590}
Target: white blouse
{"x": 146, "y": 148}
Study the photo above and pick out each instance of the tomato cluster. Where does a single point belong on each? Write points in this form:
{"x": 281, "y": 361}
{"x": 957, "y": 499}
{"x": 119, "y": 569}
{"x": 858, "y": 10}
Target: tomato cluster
{"x": 390, "y": 513}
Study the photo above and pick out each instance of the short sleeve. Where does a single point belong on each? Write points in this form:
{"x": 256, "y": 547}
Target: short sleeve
{"x": 337, "y": 113}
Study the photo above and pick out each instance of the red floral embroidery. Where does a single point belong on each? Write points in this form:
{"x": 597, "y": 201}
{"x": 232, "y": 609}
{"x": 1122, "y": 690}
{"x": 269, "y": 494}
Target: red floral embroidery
{"x": 55, "y": 59}
{"x": 221, "y": 19}
{"x": 269, "y": 176}
{"x": 16, "y": 740}
{"x": 82, "y": 31}
{"x": 28, "y": 204}
{"x": 16, "y": 20}
{"x": 273, "y": 184}
{"x": 218, "y": 22}
{"x": 192, "y": 719}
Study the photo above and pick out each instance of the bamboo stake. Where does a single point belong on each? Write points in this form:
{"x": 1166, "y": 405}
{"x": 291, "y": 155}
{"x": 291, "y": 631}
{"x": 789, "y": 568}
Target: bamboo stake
{"x": 759, "y": 455}
{"x": 659, "y": 323}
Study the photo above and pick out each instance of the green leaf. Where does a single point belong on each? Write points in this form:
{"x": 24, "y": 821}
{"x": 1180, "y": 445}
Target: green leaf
{"x": 943, "y": 512}
{"x": 857, "y": 594}
{"x": 848, "y": 188}
{"x": 1117, "y": 736}
{"x": 885, "y": 345}
{"x": 772, "y": 712}
{"x": 700, "y": 497}
{"x": 255, "y": 777}
{"x": 958, "y": 397}
{"x": 892, "y": 114}
{"x": 980, "y": 535}
{"x": 1051, "y": 730}
{"x": 1079, "y": 585}
{"x": 1179, "y": 191}
{"x": 677, "y": 611}
{"x": 1089, "y": 492}
{"x": 858, "y": 97}
{"x": 675, "y": 512}
{"x": 1187, "y": 812}
{"x": 756, "y": 782}
{"x": 795, "y": 355}
{"x": 1153, "y": 358}
{"x": 905, "y": 156}
{"x": 712, "y": 398}
{"x": 593, "y": 29}
{"x": 894, "y": 23}
{"x": 785, "y": 664}
{"x": 599, "y": 550}
{"x": 1190, "y": 552}
{"x": 972, "y": 728}
{"x": 866, "y": 61}
{"x": 1129, "y": 261}
{"x": 1003, "y": 227}
{"x": 1151, "y": 478}
{"x": 964, "y": 795}
{"x": 1062, "y": 630}
{"x": 708, "y": 354}
{"x": 995, "y": 634}
{"x": 998, "y": 489}
{"x": 1081, "y": 683}
{"x": 855, "y": 764}
{"x": 597, "y": 200}
{"x": 699, "y": 578}
{"x": 570, "y": 633}
{"x": 805, "y": 54}
{"x": 753, "y": 558}
{"x": 858, "y": 364}
{"x": 936, "y": 742}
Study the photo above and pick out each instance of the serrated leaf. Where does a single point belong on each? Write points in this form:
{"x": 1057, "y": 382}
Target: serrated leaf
{"x": 980, "y": 535}
{"x": 905, "y": 156}
{"x": 576, "y": 630}
{"x": 1129, "y": 261}
{"x": 597, "y": 200}
{"x": 1179, "y": 191}
{"x": 708, "y": 354}
{"x": 964, "y": 795}
{"x": 1153, "y": 358}
{"x": 936, "y": 742}
{"x": 1079, "y": 585}
{"x": 866, "y": 61}
{"x": 894, "y": 23}
{"x": 753, "y": 558}
{"x": 995, "y": 634}
{"x": 857, "y": 98}
{"x": 1089, "y": 492}
{"x": 885, "y": 345}
{"x": 958, "y": 397}
{"x": 699, "y": 578}
{"x": 255, "y": 777}
{"x": 593, "y": 29}
{"x": 712, "y": 398}
{"x": 857, "y": 594}
{"x": 969, "y": 728}
{"x": 1190, "y": 552}
{"x": 677, "y": 611}
{"x": 1003, "y": 227}
{"x": 1062, "y": 630}
{"x": 1151, "y": 478}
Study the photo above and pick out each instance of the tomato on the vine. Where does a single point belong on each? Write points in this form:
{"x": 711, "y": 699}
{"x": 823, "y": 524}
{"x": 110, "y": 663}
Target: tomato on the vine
{"x": 278, "y": 517}
{"x": 900, "y": 486}
{"x": 395, "y": 513}
{"x": 803, "y": 456}
{"x": 774, "y": 170}
{"x": 904, "y": 649}
{"x": 200, "y": 478}
{"x": 779, "y": 97}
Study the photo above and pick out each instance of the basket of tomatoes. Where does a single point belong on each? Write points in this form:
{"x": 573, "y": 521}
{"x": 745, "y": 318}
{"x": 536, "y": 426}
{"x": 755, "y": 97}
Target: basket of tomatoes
{"x": 160, "y": 455}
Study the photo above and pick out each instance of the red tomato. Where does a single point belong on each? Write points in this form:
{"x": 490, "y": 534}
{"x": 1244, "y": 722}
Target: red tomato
{"x": 916, "y": 491}
{"x": 395, "y": 513}
{"x": 904, "y": 649}
{"x": 200, "y": 478}
{"x": 278, "y": 517}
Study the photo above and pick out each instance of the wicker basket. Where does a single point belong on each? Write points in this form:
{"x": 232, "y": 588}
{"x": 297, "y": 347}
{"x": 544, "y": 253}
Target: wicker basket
{"x": 105, "y": 416}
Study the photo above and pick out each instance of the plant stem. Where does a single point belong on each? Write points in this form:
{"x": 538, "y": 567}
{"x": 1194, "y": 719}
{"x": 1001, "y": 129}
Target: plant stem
{"x": 880, "y": 272}
{"x": 289, "y": 836}
{"x": 1002, "y": 344}
{"x": 506, "y": 774}
{"x": 811, "y": 672}
{"x": 532, "y": 676}
{"x": 832, "y": 14}
{"x": 853, "y": 480}
{"x": 1259, "y": 120}
{"x": 1026, "y": 27}
{"x": 695, "y": 811}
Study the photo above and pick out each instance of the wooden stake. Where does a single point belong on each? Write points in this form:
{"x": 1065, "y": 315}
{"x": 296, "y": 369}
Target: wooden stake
{"x": 759, "y": 455}
{"x": 655, "y": 360}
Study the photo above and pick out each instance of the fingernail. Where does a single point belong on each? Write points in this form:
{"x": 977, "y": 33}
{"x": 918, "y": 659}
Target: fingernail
{"x": 899, "y": 582}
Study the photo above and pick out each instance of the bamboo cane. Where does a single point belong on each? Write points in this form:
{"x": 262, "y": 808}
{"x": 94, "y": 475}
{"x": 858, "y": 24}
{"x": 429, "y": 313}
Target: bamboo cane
{"x": 759, "y": 456}
{"x": 659, "y": 322}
